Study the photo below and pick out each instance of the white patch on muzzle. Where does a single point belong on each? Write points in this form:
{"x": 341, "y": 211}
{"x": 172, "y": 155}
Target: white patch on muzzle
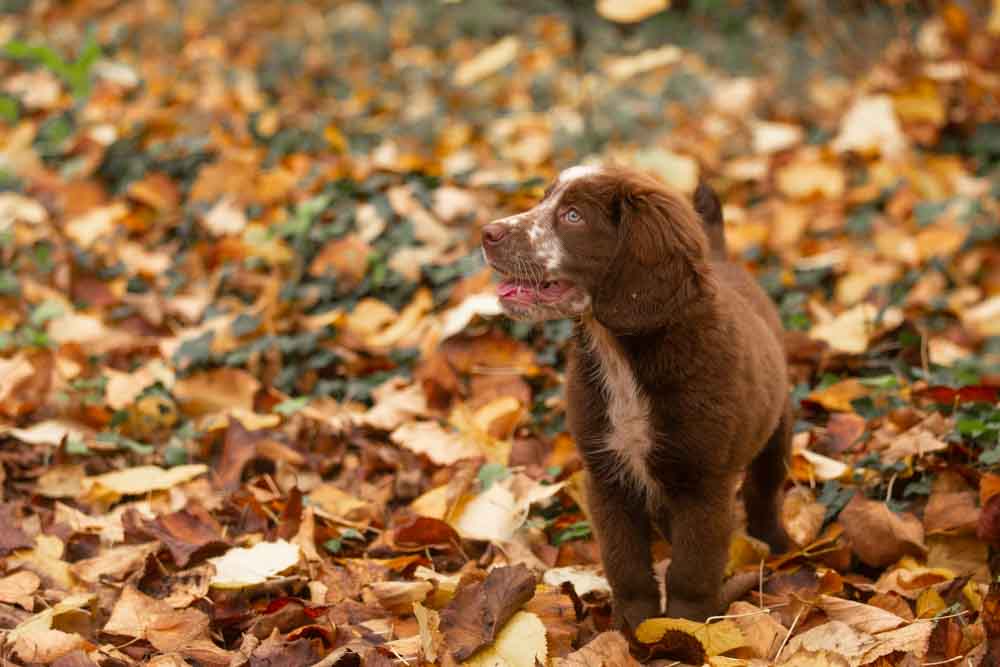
{"x": 548, "y": 248}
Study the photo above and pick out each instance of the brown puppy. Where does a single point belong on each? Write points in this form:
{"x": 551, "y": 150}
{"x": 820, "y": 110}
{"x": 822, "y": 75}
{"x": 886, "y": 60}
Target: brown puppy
{"x": 676, "y": 383}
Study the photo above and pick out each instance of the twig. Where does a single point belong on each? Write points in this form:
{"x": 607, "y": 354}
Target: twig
{"x": 788, "y": 636}
{"x": 943, "y": 662}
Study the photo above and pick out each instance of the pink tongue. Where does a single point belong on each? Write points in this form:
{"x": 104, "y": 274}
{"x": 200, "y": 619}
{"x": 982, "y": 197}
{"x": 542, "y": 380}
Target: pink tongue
{"x": 512, "y": 288}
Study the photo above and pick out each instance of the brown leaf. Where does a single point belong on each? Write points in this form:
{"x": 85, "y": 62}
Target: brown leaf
{"x": 952, "y": 507}
{"x": 761, "y": 631}
{"x": 988, "y": 526}
{"x": 803, "y": 516}
{"x": 424, "y": 532}
{"x": 276, "y": 652}
{"x": 216, "y": 390}
{"x": 843, "y": 430}
{"x": 608, "y": 649}
{"x": 11, "y": 536}
{"x": 863, "y": 617}
{"x": 476, "y": 614}
{"x": 879, "y": 536}
{"x": 345, "y": 258}
{"x": 19, "y": 588}
{"x": 187, "y": 532}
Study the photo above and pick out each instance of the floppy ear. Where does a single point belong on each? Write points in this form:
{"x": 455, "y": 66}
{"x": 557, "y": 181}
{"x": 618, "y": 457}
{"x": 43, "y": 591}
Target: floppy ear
{"x": 660, "y": 266}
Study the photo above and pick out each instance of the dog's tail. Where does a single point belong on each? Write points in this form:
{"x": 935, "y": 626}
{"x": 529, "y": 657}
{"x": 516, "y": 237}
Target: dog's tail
{"x": 708, "y": 206}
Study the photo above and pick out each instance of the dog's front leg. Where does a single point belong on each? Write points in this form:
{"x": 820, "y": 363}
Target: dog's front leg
{"x": 700, "y": 530}
{"x": 623, "y": 530}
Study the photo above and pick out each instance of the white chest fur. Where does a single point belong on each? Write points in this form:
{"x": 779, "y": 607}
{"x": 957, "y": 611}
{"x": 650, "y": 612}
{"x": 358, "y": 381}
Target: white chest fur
{"x": 629, "y": 438}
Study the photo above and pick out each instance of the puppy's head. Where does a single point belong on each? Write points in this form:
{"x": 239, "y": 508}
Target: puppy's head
{"x": 604, "y": 241}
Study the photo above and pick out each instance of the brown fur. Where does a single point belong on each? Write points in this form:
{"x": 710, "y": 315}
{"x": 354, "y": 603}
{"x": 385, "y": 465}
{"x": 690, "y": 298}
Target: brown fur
{"x": 676, "y": 386}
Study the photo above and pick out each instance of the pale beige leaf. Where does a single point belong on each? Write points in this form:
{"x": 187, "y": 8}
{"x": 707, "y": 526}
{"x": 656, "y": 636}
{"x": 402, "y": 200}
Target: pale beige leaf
{"x": 489, "y": 61}
{"x": 242, "y": 567}
{"x": 860, "y": 616}
{"x": 95, "y": 224}
{"x": 774, "y": 137}
{"x": 802, "y": 515}
{"x": 834, "y": 637}
{"x": 608, "y": 649}
{"x": 225, "y": 218}
{"x": 871, "y": 126}
{"x": 521, "y": 643}
{"x": 19, "y": 588}
{"x": 431, "y": 439}
{"x": 762, "y": 633}
{"x": 911, "y": 639}
{"x": 630, "y": 11}
{"x": 140, "y": 480}
{"x": 584, "y": 580}
{"x": 851, "y": 331}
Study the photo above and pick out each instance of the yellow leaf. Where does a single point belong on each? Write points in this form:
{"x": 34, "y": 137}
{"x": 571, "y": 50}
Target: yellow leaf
{"x": 521, "y": 643}
{"x": 140, "y": 480}
{"x": 716, "y": 638}
{"x": 930, "y": 604}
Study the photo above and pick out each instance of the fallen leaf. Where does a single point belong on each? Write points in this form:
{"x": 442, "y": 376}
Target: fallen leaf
{"x": 630, "y": 11}
{"x": 802, "y": 515}
{"x": 871, "y": 126}
{"x": 583, "y": 580}
{"x": 851, "y": 331}
{"x": 878, "y": 535}
{"x": 834, "y": 637}
{"x": 838, "y": 396}
{"x": 34, "y": 640}
{"x": 431, "y": 439}
{"x": 521, "y": 643}
{"x": 111, "y": 486}
{"x": 714, "y": 638}
{"x": 775, "y": 137}
{"x": 608, "y": 649}
{"x": 216, "y": 390}
{"x": 489, "y": 61}
{"x": 19, "y": 588}
{"x": 762, "y": 633}
{"x": 478, "y": 612}
{"x": 862, "y": 617}
{"x": 244, "y": 567}
{"x": 225, "y": 218}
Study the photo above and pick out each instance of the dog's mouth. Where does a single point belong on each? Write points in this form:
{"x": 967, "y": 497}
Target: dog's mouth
{"x": 532, "y": 292}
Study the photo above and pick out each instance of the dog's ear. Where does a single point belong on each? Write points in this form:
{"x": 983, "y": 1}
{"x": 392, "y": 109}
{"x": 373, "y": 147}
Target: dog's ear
{"x": 660, "y": 266}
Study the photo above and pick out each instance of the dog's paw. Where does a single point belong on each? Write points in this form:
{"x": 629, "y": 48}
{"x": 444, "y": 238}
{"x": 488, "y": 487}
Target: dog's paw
{"x": 627, "y": 614}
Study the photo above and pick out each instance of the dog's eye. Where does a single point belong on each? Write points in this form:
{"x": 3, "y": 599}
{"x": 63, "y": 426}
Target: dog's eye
{"x": 572, "y": 216}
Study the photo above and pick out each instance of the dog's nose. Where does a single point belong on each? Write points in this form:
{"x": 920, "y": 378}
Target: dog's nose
{"x": 493, "y": 233}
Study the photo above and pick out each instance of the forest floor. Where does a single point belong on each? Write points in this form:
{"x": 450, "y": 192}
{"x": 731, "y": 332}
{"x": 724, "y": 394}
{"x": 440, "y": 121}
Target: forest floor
{"x": 257, "y": 405}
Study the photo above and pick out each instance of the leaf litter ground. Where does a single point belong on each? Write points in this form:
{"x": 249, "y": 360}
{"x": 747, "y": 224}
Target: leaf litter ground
{"x": 256, "y": 404}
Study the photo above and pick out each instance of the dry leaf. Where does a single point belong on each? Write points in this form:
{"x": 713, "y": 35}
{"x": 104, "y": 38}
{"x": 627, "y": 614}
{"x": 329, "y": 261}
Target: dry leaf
{"x": 630, "y": 11}
{"x": 871, "y": 126}
{"x": 489, "y": 61}
{"x": 244, "y": 567}
{"x": 802, "y": 516}
{"x": 475, "y": 616}
{"x": 862, "y": 617}
{"x": 608, "y": 649}
{"x": 878, "y": 535}
{"x": 19, "y": 588}
{"x": 111, "y": 486}
{"x": 521, "y": 643}
{"x": 716, "y": 638}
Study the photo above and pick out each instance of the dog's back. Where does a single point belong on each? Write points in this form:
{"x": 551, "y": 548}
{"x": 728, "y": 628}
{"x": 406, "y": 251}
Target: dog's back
{"x": 709, "y": 208}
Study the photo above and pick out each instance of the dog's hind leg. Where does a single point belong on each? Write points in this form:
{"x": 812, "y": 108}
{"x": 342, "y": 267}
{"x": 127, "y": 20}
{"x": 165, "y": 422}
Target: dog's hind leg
{"x": 762, "y": 490}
